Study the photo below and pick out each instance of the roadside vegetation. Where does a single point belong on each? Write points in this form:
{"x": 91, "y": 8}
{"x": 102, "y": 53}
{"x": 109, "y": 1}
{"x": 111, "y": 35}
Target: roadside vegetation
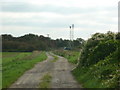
{"x": 99, "y": 62}
{"x": 72, "y": 56}
{"x": 14, "y": 64}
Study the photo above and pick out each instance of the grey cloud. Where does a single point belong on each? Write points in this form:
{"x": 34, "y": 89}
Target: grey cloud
{"x": 25, "y": 7}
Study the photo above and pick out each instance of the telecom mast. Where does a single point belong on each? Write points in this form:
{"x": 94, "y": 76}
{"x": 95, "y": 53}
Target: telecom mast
{"x": 72, "y": 32}
{"x": 71, "y": 35}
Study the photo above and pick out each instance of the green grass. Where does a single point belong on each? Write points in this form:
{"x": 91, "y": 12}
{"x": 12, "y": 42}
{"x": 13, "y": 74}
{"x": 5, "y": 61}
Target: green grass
{"x": 46, "y": 79}
{"x": 15, "y": 64}
{"x": 71, "y": 56}
{"x": 85, "y": 78}
{"x": 54, "y": 56}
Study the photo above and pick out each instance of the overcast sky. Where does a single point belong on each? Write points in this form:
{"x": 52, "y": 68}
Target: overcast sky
{"x": 42, "y": 17}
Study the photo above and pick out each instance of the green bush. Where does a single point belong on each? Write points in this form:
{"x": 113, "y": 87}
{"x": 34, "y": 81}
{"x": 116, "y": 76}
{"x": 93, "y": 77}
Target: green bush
{"x": 99, "y": 62}
{"x": 102, "y": 50}
{"x": 103, "y": 74}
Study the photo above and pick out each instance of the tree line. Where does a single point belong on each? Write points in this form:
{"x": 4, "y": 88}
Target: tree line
{"x": 31, "y": 42}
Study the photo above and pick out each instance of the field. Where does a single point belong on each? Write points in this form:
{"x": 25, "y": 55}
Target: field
{"x": 14, "y": 64}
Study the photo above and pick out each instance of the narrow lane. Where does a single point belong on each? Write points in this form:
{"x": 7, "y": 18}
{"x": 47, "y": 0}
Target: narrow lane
{"x": 60, "y": 71}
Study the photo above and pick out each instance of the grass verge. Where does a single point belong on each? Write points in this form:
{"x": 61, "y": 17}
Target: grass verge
{"x": 15, "y": 65}
{"x": 72, "y": 56}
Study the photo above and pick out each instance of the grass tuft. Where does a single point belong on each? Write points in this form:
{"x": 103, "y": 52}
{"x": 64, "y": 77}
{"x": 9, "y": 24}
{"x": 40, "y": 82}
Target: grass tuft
{"x": 46, "y": 79}
{"x": 55, "y": 58}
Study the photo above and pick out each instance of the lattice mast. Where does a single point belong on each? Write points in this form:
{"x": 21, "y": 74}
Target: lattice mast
{"x": 71, "y": 35}
{"x": 72, "y": 32}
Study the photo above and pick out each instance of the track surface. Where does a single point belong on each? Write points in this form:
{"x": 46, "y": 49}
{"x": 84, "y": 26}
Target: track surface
{"x": 59, "y": 70}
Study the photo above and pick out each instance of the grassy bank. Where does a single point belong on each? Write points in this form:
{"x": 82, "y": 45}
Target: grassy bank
{"x": 16, "y": 63}
{"x": 72, "y": 56}
{"x": 104, "y": 74}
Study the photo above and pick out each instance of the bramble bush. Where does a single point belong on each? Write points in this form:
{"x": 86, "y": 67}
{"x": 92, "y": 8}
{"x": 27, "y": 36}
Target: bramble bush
{"x": 99, "y": 62}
